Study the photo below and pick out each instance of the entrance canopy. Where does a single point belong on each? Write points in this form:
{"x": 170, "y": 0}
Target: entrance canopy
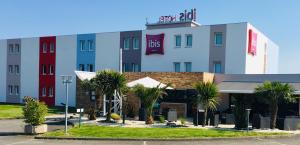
{"x": 148, "y": 83}
{"x": 246, "y": 87}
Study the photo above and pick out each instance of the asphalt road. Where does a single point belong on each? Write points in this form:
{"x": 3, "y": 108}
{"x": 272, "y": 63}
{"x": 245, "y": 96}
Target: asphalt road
{"x": 28, "y": 140}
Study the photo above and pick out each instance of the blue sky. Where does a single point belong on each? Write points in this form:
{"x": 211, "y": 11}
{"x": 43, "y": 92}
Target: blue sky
{"x": 278, "y": 19}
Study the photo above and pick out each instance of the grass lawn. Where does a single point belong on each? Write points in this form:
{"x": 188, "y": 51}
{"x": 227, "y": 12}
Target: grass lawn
{"x": 14, "y": 111}
{"x": 162, "y": 133}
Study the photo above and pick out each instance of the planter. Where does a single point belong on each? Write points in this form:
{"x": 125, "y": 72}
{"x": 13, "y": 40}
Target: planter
{"x": 31, "y": 129}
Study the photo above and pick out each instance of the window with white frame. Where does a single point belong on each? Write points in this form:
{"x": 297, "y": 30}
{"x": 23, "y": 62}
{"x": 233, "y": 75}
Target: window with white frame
{"x": 52, "y": 48}
{"x": 189, "y": 40}
{"x": 10, "y": 69}
{"x": 51, "y": 92}
{"x": 90, "y": 67}
{"x": 81, "y": 67}
{"x": 136, "y": 43}
{"x": 217, "y": 67}
{"x": 82, "y": 45}
{"x": 177, "y": 66}
{"x": 16, "y": 88}
{"x": 188, "y": 66}
{"x": 17, "y": 48}
{"x": 10, "y": 89}
{"x": 125, "y": 67}
{"x": 44, "y": 69}
{"x": 90, "y": 44}
{"x": 51, "y": 69}
{"x": 126, "y": 42}
{"x": 44, "y": 47}
{"x": 177, "y": 40}
{"x": 44, "y": 91}
{"x": 218, "y": 38}
{"x": 11, "y": 48}
{"x": 135, "y": 67}
{"x": 17, "y": 69}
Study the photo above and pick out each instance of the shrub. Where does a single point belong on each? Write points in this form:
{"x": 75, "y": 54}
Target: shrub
{"x": 182, "y": 120}
{"x": 34, "y": 111}
{"x": 162, "y": 119}
{"x": 115, "y": 116}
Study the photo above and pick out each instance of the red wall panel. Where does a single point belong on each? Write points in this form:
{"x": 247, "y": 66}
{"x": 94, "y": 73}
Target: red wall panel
{"x": 47, "y": 80}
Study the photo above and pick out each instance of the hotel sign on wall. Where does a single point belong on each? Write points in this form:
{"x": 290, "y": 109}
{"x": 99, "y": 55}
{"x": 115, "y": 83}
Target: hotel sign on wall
{"x": 184, "y": 16}
{"x": 155, "y": 44}
{"x": 252, "y": 42}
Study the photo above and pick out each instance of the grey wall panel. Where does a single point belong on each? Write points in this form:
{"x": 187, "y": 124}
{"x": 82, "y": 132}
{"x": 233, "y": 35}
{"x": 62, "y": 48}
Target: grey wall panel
{"x": 13, "y": 79}
{"x": 217, "y": 52}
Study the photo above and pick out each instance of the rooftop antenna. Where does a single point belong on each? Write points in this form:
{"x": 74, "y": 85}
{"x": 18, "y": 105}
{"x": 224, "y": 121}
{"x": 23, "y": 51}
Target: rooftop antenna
{"x": 146, "y": 20}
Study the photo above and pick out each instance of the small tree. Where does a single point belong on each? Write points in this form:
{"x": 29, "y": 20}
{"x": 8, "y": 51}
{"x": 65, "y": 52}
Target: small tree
{"x": 274, "y": 93}
{"x": 34, "y": 111}
{"x": 148, "y": 97}
{"x": 207, "y": 97}
{"x": 108, "y": 82}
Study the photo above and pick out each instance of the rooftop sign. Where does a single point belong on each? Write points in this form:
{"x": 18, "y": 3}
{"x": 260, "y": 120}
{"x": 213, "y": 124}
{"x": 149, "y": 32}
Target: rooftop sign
{"x": 184, "y": 16}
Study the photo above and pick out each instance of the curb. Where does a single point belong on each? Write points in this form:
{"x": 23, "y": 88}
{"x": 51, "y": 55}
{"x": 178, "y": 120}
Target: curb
{"x": 165, "y": 139}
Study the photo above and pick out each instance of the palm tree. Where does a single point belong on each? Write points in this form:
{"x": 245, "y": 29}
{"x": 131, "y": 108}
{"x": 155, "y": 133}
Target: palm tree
{"x": 207, "y": 97}
{"x": 108, "y": 82}
{"x": 274, "y": 93}
{"x": 148, "y": 97}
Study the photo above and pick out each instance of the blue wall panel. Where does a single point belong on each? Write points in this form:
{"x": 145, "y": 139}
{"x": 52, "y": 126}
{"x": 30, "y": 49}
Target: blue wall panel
{"x": 86, "y": 56}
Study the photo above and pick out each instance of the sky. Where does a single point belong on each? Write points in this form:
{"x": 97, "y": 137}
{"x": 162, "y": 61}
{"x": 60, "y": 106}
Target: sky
{"x": 277, "y": 19}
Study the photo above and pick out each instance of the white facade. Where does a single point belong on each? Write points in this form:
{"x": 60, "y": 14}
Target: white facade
{"x": 29, "y": 62}
{"x": 3, "y": 59}
{"x": 197, "y": 54}
{"x": 107, "y": 51}
{"x": 65, "y": 65}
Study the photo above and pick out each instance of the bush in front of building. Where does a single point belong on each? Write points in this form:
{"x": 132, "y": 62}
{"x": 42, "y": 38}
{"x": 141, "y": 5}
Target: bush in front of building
{"x": 241, "y": 103}
{"x": 275, "y": 93}
{"x": 34, "y": 111}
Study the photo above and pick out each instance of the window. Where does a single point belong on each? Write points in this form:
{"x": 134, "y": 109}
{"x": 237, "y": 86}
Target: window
{"x": 188, "y": 66}
{"x": 136, "y": 43}
{"x": 135, "y": 67}
{"x": 16, "y": 90}
{"x": 51, "y": 69}
{"x": 17, "y": 69}
{"x": 90, "y": 44}
{"x": 178, "y": 41}
{"x": 10, "y": 89}
{"x": 51, "y": 92}
{"x": 177, "y": 66}
{"x": 17, "y": 48}
{"x": 218, "y": 38}
{"x": 125, "y": 67}
{"x": 10, "y": 69}
{"x": 44, "y": 70}
{"x": 82, "y": 43}
{"x": 11, "y": 48}
{"x": 126, "y": 44}
{"x": 44, "y": 91}
{"x": 44, "y": 47}
{"x": 189, "y": 40}
{"x": 52, "y": 48}
{"x": 217, "y": 67}
{"x": 81, "y": 67}
{"x": 90, "y": 67}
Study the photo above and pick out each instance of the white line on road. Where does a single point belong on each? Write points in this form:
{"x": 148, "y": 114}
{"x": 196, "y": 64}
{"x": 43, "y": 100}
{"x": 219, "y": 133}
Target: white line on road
{"x": 145, "y": 143}
{"x": 273, "y": 142}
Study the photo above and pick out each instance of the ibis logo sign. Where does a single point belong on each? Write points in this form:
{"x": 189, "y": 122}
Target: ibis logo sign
{"x": 252, "y": 42}
{"x": 155, "y": 44}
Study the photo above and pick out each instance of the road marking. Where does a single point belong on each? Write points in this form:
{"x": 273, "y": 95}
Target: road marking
{"x": 20, "y": 142}
{"x": 145, "y": 143}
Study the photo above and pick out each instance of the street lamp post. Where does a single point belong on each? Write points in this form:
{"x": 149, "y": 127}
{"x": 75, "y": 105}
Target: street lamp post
{"x": 66, "y": 80}
{"x": 248, "y": 113}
